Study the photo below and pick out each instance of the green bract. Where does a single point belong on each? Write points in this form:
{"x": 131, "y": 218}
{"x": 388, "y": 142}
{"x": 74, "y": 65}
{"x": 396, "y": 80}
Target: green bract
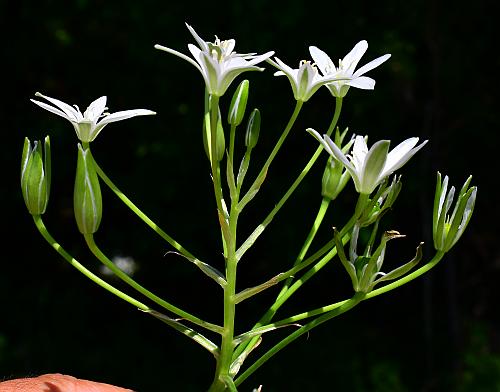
{"x": 447, "y": 229}
{"x": 35, "y": 176}
{"x": 87, "y": 200}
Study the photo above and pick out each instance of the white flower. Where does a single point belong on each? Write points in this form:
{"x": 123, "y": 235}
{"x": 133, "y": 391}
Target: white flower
{"x": 217, "y": 62}
{"x": 93, "y": 120}
{"x": 305, "y": 80}
{"x": 368, "y": 168}
{"x": 346, "y": 69}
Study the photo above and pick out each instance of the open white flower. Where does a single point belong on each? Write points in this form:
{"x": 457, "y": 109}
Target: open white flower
{"x": 346, "y": 69}
{"x": 368, "y": 168}
{"x": 93, "y": 120}
{"x": 217, "y": 62}
{"x": 305, "y": 80}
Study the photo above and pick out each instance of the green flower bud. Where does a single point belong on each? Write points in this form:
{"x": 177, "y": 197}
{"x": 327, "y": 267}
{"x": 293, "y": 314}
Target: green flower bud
{"x": 87, "y": 200}
{"x": 35, "y": 176}
{"x": 253, "y": 129}
{"x": 335, "y": 178}
{"x": 238, "y": 104}
{"x": 447, "y": 229}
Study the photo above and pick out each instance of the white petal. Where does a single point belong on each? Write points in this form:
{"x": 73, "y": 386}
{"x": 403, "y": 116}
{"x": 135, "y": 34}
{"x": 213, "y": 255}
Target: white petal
{"x": 372, "y": 64}
{"x": 398, "y": 152}
{"x": 393, "y": 165}
{"x": 322, "y": 60}
{"x": 339, "y": 155}
{"x": 123, "y": 115}
{"x": 95, "y": 109}
{"x": 51, "y": 109}
{"x": 202, "y": 43}
{"x": 261, "y": 58}
{"x": 71, "y": 113}
{"x": 351, "y": 60}
{"x": 363, "y": 82}
{"x": 178, "y": 54}
{"x": 359, "y": 152}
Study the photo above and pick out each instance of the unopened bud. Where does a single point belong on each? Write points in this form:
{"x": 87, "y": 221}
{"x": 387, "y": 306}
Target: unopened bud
{"x": 253, "y": 129}
{"x": 87, "y": 194}
{"x": 35, "y": 176}
{"x": 238, "y": 104}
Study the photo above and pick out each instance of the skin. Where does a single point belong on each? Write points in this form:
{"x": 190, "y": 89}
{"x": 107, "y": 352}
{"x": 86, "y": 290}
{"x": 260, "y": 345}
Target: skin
{"x": 56, "y": 383}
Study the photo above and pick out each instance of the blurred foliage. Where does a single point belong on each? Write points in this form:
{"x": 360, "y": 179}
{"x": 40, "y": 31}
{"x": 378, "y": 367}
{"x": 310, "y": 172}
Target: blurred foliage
{"x": 437, "y": 85}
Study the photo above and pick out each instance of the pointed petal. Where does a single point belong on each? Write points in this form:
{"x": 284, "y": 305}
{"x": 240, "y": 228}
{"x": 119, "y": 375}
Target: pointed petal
{"x": 372, "y": 64}
{"x": 178, "y": 54}
{"x": 351, "y": 60}
{"x": 336, "y": 153}
{"x": 362, "y": 82}
{"x": 400, "y": 155}
{"x": 260, "y": 58}
{"x": 373, "y": 166}
{"x": 123, "y": 115}
{"x": 71, "y": 113}
{"x": 322, "y": 60}
{"x": 51, "y": 109}
{"x": 95, "y": 109}
{"x": 201, "y": 42}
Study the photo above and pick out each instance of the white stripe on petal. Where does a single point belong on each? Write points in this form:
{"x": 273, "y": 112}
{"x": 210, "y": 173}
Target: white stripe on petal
{"x": 71, "y": 113}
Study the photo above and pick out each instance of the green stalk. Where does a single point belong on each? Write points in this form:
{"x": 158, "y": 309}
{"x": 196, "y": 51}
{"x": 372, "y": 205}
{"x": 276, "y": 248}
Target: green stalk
{"x": 325, "y": 202}
{"x": 260, "y": 229}
{"x": 89, "y": 238}
{"x": 283, "y": 297}
{"x": 45, "y": 234}
{"x": 348, "y": 305}
{"x": 139, "y": 213}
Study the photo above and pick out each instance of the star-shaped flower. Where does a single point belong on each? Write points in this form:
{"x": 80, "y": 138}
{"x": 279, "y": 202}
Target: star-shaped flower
{"x": 93, "y": 120}
{"x": 305, "y": 80}
{"x": 217, "y": 62}
{"x": 368, "y": 168}
{"x": 346, "y": 69}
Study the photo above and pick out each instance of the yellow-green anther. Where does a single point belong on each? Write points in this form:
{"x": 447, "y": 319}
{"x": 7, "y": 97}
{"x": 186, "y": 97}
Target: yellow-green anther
{"x": 87, "y": 194}
{"x": 238, "y": 104}
{"x": 253, "y": 129}
{"x": 35, "y": 176}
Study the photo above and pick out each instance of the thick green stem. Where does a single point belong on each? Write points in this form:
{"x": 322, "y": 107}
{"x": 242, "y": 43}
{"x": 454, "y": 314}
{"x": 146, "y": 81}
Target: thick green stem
{"x": 348, "y": 305}
{"x": 132, "y": 283}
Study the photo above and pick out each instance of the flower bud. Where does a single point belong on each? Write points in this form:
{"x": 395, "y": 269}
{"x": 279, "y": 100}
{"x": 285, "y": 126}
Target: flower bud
{"x": 35, "y": 176}
{"x": 87, "y": 198}
{"x": 238, "y": 104}
{"x": 382, "y": 201}
{"x": 334, "y": 180}
{"x": 253, "y": 129}
{"x": 447, "y": 229}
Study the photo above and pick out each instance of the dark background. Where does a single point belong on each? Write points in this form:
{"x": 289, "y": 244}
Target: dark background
{"x": 439, "y": 333}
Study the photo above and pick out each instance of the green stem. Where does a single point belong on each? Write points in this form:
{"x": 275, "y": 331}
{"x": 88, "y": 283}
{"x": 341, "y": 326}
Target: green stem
{"x": 325, "y": 202}
{"x": 45, "y": 234}
{"x": 89, "y": 238}
{"x": 260, "y": 229}
{"x": 284, "y": 296}
{"x": 348, "y": 305}
{"x": 139, "y": 213}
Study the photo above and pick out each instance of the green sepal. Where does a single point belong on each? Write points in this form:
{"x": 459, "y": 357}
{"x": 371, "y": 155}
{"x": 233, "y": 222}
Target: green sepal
{"x": 238, "y": 104}
{"x": 253, "y": 129}
{"x": 87, "y": 199}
